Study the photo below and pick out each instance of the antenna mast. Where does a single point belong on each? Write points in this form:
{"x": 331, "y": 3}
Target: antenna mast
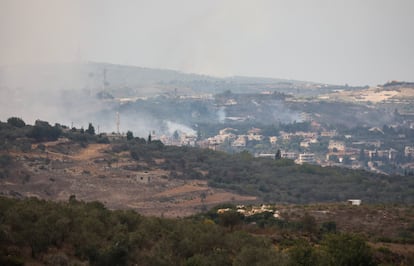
{"x": 104, "y": 80}
{"x": 117, "y": 122}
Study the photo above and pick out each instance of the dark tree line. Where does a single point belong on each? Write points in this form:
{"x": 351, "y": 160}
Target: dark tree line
{"x": 74, "y": 232}
{"x": 278, "y": 180}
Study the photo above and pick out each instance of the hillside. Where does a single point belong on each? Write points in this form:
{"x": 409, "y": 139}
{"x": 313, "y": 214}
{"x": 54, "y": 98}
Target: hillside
{"x": 124, "y": 80}
{"x": 55, "y": 162}
{"x": 103, "y": 192}
{"x": 95, "y": 172}
{"x": 393, "y": 92}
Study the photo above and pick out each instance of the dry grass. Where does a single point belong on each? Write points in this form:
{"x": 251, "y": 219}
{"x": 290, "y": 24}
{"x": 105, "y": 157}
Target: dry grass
{"x": 95, "y": 175}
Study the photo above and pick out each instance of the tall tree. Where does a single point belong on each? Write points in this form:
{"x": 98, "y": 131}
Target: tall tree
{"x": 91, "y": 129}
{"x": 129, "y": 135}
{"x": 278, "y": 155}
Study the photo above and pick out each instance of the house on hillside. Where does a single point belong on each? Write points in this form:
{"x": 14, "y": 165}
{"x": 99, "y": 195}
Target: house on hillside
{"x": 143, "y": 179}
{"x": 329, "y": 134}
{"x": 336, "y": 146}
{"x": 240, "y": 142}
{"x": 409, "y": 151}
{"x": 273, "y": 140}
{"x": 354, "y": 202}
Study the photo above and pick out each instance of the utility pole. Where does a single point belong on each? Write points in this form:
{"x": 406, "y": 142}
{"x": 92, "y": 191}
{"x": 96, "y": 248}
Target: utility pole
{"x": 117, "y": 122}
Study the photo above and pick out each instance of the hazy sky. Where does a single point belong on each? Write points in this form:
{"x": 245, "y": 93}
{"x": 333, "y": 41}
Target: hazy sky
{"x": 358, "y": 42}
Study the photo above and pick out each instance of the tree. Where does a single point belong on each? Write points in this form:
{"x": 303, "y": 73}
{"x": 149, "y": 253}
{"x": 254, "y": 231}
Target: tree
{"x": 347, "y": 250}
{"x": 129, "y": 135}
{"x": 149, "y": 138}
{"x": 251, "y": 255}
{"x": 16, "y": 122}
{"x": 135, "y": 154}
{"x": 42, "y": 131}
{"x": 302, "y": 253}
{"x": 328, "y": 227}
{"x": 334, "y": 158}
{"x": 157, "y": 144}
{"x": 362, "y": 155}
{"x": 90, "y": 130}
{"x": 309, "y": 223}
{"x": 176, "y": 135}
{"x": 278, "y": 155}
{"x": 230, "y": 219}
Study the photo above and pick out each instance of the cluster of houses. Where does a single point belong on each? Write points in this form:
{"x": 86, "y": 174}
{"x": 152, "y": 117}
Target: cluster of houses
{"x": 351, "y": 152}
{"x": 183, "y": 139}
{"x": 235, "y": 140}
{"x": 252, "y": 210}
{"x": 247, "y": 211}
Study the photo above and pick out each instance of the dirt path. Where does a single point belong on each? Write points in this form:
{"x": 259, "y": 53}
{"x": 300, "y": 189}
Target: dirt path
{"x": 188, "y": 188}
{"x": 91, "y": 152}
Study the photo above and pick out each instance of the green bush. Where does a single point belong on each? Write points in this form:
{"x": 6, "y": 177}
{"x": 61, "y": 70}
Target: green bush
{"x": 346, "y": 250}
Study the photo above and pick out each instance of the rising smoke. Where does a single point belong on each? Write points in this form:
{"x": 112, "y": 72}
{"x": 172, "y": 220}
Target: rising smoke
{"x": 67, "y": 94}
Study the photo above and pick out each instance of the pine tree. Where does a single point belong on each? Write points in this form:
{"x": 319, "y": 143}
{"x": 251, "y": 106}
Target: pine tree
{"x": 278, "y": 155}
{"x": 91, "y": 129}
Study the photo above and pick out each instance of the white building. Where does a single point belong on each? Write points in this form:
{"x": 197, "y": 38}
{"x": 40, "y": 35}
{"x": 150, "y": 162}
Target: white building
{"x": 255, "y": 137}
{"x": 273, "y": 140}
{"x": 306, "y": 158}
{"x": 266, "y": 155}
{"x": 355, "y": 202}
{"x": 330, "y": 134}
{"x": 409, "y": 151}
{"x": 288, "y": 155}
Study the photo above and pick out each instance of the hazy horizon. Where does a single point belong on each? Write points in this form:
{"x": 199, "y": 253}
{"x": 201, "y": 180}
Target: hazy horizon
{"x": 336, "y": 42}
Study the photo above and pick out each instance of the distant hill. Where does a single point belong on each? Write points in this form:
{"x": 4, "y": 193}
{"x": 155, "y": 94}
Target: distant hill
{"x": 122, "y": 79}
{"x": 79, "y": 93}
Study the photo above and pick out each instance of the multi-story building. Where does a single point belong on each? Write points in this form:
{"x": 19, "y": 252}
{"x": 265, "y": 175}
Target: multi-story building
{"x": 306, "y": 158}
{"x": 288, "y": 155}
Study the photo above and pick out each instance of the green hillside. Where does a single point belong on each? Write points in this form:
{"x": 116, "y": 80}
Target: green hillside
{"x": 36, "y": 232}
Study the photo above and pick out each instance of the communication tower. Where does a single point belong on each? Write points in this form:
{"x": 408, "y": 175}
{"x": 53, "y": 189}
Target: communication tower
{"x": 117, "y": 122}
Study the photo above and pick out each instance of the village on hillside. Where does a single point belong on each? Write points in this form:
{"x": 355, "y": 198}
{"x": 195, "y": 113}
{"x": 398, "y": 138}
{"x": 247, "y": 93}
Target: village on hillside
{"x": 386, "y": 148}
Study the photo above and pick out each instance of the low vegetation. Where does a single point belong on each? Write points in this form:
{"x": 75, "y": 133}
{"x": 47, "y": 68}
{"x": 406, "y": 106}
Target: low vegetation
{"x": 78, "y": 233}
{"x": 274, "y": 180}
